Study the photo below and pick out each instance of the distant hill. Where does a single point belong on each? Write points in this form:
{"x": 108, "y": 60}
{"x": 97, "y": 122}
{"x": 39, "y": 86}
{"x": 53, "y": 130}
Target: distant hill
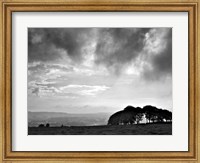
{"x": 67, "y": 119}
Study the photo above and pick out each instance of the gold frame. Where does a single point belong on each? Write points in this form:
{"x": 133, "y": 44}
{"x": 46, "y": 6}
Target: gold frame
{"x": 9, "y": 6}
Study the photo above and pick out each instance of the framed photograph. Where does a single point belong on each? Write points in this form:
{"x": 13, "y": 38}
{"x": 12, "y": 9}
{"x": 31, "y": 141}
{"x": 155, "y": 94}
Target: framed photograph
{"x": 106, "y": 81}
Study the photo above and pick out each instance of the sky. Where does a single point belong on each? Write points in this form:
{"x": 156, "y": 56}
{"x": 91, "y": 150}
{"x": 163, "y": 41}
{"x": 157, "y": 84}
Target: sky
{"x": 92, "y": 70}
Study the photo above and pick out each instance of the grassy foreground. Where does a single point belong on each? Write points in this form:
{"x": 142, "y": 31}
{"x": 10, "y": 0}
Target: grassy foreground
{"x": 140, "y": 129}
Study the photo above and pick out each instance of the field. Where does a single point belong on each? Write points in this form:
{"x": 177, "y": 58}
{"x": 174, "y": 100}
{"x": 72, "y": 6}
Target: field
{"x": 139, "y": 129}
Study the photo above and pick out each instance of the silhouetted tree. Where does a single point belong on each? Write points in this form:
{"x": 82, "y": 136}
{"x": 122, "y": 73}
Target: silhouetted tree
{"x": 132, "y": 115}
{"x": 139, "y": 114}
{"x": 159, "y": 115}
{"x": 124, "y": 117}
{"x": 47, "y": 125}
{"x": 41, "y": 125}
{"x": 167, "y": 115}
{"x": 115, "y": 118}
{"x": 150, "y": 113}
{"x": 154, "y": 114}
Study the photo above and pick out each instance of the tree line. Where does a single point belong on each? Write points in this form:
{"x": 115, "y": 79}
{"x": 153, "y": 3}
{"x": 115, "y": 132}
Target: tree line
{"x": 134, "y": 115}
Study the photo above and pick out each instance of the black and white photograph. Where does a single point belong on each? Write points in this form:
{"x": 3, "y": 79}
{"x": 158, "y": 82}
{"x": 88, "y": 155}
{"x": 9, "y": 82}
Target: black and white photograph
{"x": 99, "y": 81}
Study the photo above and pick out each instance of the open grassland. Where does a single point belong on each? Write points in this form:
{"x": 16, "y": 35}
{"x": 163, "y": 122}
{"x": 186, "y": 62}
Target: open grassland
{"x": 139, "y": 129}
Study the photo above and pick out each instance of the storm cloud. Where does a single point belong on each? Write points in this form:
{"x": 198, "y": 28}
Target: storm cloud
{"x": 47, "y": 44}
{"x": 118, "y": 47}
{"x": 110, "y": 67}
{"x": 146, "y": 50}
{"x": 160, "y": 56}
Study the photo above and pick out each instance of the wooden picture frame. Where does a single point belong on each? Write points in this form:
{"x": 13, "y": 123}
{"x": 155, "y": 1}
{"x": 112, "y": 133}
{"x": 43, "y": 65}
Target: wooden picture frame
{"x": 9, "y": 6}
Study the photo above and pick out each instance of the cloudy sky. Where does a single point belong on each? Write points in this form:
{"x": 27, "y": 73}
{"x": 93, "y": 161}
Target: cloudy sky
{"x": 91, "y": 70}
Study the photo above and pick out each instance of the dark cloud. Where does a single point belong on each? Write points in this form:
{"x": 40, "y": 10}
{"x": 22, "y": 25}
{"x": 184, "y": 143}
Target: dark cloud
{"x": 161, "y": 62}
{"x": 47, "y": 44}
{"x": 117, "y": 47}
{"x": 150, "y": 49}
{"x": 147, "y": 48}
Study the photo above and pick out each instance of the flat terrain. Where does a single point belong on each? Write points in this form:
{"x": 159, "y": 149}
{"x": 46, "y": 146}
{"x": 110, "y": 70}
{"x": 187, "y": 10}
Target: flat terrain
{"x": 139, "y": 129}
